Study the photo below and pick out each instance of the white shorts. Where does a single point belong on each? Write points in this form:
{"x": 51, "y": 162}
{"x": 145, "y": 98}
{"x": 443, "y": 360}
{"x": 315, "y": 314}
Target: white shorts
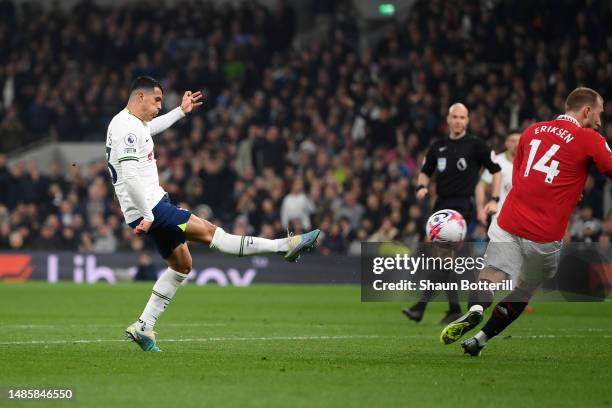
{"x": 520, "y": 258}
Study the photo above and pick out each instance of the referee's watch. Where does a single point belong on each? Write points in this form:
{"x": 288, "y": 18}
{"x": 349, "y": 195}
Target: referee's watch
{"x": 496, "y": 199}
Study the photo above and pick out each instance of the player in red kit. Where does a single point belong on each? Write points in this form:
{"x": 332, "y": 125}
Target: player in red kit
{"x": 550, "y": 169}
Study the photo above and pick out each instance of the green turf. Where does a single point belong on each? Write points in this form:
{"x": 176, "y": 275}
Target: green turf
{"x": 293, "y": 346}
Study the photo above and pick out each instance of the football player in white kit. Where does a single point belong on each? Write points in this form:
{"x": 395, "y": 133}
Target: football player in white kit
{"x": 148, "y": 210}
{"x": 504, "y": 160}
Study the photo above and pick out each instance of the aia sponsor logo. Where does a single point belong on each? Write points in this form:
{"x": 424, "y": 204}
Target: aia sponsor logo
{"x": 15, "y": 268}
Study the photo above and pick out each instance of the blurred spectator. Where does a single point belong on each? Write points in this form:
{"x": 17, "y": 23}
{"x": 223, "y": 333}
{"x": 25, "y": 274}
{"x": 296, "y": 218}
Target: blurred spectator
{"x": 104, "y": 241}
{"x": 333, "y": 242}
{"x": 585, "y": 228}
{"x": 146, "y": 270}
{"x": 296, "y": 205}
{"x": 387, "y": 232}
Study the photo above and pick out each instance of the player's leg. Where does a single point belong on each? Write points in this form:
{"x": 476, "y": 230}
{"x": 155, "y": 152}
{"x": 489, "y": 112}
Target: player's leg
{"x": 179, "y": 266}
{"x": 479, "y": 300}
{"x": 441, "y": 275}
{"x": 205, "y": 232}
{"x": 482, "y": 298}
{"x": 503, "y": 260}
{"x": 504, "y": 313}
{"x": 541, "y": 263}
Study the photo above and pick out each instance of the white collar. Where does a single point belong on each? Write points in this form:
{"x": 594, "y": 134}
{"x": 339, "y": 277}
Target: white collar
{"x": 569, "y": 119}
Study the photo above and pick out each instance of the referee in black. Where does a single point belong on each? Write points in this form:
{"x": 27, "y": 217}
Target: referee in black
{"x": 457, "y": 160}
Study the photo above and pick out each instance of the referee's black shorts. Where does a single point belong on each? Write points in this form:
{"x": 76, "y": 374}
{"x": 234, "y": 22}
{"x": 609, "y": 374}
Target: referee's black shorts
{"x": 464, "y": 205}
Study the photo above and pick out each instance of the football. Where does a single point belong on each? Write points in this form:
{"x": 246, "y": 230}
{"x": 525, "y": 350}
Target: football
{"x": 446, "y": 226}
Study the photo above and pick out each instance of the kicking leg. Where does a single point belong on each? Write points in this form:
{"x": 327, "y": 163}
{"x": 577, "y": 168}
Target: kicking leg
{"x": 203, "y": 231}
{"x": 479, "y": 300}
{"x": 179, "y": 266}
{"x": 506, "y": 311}
{"x": 541, "y": 262}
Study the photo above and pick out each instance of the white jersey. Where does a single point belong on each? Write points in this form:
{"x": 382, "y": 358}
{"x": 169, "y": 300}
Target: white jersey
{"x": 132, "y": 164}
{"x": 506, "y": 177}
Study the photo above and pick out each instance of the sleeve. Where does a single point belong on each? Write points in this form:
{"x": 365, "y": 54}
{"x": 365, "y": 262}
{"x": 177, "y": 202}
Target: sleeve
{"x": 429, "y": 165}
{"x": 487, "y": 177}
{"x": 601, "y": 154}
{"x": 163, "y": 122}
{"x": 485, "y": 156}
{"x": 129, "y": 169}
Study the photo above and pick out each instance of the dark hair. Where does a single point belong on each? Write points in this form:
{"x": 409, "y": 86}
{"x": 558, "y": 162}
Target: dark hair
{"x": 145, "y": 82}
{"x": 580, "y": 97}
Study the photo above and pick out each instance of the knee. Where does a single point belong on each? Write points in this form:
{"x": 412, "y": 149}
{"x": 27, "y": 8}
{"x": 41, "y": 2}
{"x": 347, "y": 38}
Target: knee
{"x": 209, "y": 232}
{"x": 202, "y": 231}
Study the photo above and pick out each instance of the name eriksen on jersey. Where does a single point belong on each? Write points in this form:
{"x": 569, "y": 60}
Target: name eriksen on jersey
{"x": 562, "y": 133}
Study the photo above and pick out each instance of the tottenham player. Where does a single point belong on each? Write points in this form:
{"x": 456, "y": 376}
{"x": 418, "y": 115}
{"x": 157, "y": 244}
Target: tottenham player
{"x": 457, "y": 161}
{"x": 550, "y": 169}
{"x": 504, "y": 160}
{"x": 147, "y": 209}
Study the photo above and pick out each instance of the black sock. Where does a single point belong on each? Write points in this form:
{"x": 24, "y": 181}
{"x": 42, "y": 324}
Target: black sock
{"x": 452, "y": 295}
{"x": 435, "y": 276}
{"x": 506, "y": 311}
{"x": 420, "y": 306}
{"x": 483, "y": 298}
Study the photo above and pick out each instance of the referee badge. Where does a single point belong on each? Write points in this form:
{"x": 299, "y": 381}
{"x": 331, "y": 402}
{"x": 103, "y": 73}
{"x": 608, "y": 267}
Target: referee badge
{"x": 441, "y": 163}
{"x": 461, "y": 164}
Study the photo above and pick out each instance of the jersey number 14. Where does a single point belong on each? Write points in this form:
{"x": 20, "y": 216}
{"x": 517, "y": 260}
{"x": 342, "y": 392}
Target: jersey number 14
{"x": 541, "y": 165}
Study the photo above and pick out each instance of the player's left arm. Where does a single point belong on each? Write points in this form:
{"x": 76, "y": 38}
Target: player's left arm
{"x": 191, "y": 100}
{"x": 601, "y": 154}
{"x": 486, "y": 158}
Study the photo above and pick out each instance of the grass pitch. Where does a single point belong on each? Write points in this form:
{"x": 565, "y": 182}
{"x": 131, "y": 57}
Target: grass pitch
{"x": 277, "y": 345}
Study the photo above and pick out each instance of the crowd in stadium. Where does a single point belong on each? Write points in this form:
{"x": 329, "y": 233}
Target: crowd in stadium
{"x": 330, "y": 135}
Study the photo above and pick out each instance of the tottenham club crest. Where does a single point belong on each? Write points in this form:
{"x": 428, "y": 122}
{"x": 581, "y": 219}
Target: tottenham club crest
{"x": 441, "y": 164}
{"x": 130, "y": 139}
{"x": 462, "y": 164}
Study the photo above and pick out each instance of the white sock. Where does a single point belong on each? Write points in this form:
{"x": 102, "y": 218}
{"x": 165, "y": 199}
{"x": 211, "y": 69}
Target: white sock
{"x": 245, "y": 245}
{"x": 163, "y": 291}
{"x": 477, "y": 308}
{"x": 481, "y": 338}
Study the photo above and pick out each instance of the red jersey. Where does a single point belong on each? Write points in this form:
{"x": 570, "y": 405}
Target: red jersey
{"x": 550, "y": 168}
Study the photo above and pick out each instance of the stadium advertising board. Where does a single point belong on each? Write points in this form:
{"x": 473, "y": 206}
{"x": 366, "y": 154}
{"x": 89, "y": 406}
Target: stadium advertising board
{"x": 209, "y": 268}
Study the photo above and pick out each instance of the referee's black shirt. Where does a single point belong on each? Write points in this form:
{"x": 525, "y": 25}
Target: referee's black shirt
{"x": 458, "y": 163}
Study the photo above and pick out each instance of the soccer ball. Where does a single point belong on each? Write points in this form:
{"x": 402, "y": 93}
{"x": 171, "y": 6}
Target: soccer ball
{"x": 446, "y": 226}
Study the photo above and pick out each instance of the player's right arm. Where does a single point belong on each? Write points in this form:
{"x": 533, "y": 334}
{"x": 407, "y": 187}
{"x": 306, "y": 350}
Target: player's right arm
{"x": 128, "y": 148}
{"x": 129, "y": 168}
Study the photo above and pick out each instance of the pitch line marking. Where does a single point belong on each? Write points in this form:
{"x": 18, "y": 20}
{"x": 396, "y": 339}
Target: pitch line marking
{"x": 118, "y": 326}
{"x": 193, "y": 340}
{"x": 281, "y": 338}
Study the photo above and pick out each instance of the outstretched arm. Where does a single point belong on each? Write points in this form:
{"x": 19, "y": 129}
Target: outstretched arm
{"x": 191, "y": 100}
